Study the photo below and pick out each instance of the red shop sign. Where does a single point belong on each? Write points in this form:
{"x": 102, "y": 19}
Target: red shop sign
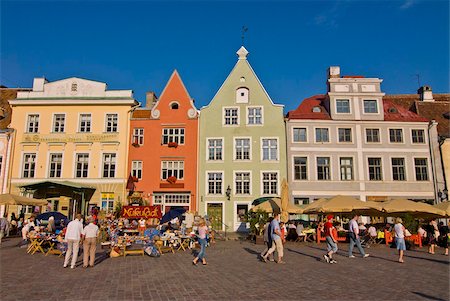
{"x": 141, "y": 211}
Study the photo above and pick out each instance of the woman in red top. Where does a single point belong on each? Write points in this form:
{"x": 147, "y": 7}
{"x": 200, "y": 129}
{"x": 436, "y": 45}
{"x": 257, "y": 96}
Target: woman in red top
{"x": 331, "y": 239}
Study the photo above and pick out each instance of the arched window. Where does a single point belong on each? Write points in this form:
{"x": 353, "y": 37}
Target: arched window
{"x": 242, "y": 95}
{"x": 174, "y": 105}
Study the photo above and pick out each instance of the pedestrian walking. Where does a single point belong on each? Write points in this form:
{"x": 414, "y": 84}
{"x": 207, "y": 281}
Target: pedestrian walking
{"x": 277, "y": 244}
{"x": 443, "y": 239}
{"x": 267, "y": 238}
{"x": 73, "y": 235}
{"x": 202, "y": 232}
{"x": 331, "y": 239}
{"x": 400, "y": 233}
{"x": 4, "y": 228}
{"x": 90, "y": 233}
{"x": 354, "y": 238}
{"x": 432, "y": 234}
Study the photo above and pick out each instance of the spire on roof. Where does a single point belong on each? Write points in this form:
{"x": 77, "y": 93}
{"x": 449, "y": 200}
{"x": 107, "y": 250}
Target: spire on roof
{"x": 242, "y": 53}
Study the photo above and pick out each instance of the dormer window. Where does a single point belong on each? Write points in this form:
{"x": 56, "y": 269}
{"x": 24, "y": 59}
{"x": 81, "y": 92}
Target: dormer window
{"x": 242, "y": 95}
{"x": 74, "y": 87}
{"x": 392, "y": 110}
{"x": 316, "y": 109}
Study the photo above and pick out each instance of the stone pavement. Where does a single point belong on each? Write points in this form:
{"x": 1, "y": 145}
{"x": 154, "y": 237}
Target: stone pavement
{"x": 233, "y": 273}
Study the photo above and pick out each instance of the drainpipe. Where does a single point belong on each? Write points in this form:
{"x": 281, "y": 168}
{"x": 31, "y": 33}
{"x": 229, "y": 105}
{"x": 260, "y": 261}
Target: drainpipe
{"x": 430, "y": 125}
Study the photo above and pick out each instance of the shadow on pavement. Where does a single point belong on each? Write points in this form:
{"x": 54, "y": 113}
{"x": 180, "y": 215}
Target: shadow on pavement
{"x": 428, "y": 296}
{"x": 253, "y": 252}
{"x": 429, "y": 259}
{"x": 298, "y": 252}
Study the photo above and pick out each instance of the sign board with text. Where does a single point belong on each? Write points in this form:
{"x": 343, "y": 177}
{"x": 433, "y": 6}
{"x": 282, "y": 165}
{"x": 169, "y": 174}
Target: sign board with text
{"x": 141, "y": 211}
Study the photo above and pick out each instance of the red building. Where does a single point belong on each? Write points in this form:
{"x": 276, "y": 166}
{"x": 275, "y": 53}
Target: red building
{"x": 163, "y": 150}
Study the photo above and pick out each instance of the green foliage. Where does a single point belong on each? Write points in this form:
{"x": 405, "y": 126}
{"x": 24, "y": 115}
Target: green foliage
{"x": 410, "y": 223}
{"x": 118, "y": 209}
{"x": 257, "y": 220}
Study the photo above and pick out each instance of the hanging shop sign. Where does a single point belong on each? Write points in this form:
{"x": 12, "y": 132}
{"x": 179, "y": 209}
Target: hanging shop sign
{"x": 141, "y": 211}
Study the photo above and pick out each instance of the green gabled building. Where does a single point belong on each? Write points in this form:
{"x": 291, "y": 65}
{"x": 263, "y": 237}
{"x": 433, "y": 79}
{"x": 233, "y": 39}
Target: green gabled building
{"x": 242, "y": 148}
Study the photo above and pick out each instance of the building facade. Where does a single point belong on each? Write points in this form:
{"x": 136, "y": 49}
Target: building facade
{"x": 351, "y": 141}
{"x": 241, "y": 148}
{"x": 163, "y": 148}
{"x": 71, "y": 144}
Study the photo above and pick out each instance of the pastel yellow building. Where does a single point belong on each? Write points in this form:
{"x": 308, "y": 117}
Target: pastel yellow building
{"x": 71, "y": 144}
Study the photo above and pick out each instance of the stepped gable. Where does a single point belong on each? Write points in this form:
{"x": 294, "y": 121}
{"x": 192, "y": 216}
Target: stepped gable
{"x": 306, "y": 109}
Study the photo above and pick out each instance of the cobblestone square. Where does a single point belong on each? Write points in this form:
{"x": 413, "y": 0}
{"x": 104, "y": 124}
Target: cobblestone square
{"x": 233, "y": 273}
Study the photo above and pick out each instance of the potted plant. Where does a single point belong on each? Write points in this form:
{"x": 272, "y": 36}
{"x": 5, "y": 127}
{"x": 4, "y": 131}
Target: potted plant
{"x": 172, "y": 179}
{"x": 257, "y": 220}
{"x": 173, "y": 144}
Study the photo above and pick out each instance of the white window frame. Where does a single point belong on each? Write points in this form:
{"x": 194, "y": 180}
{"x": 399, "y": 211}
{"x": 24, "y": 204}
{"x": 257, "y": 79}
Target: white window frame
{"x": 136, "y": 167}
{"x": 383, "y": 172}
{"x": 22, "y": 169}
{"x": 235, "y": 172}
{"x": 262, "y": 149}
{"x": 237, "y": 97}
{"x": 262, "y": 172}
{"x": 207, "y": 182}
{"x": 177, "y": 168}
{"x": 207, "y": 149}
{"x": 389, "y": 135}
{"x": 138, "y": 133}
{"x": 76, "y": 163}
{"x": 34, "y": 126}
{"x": 317, "y": 167}
{"x": 247, "y": 117}
{"x": 315, "y": 136}
{"x": 108, "y": 201}
{"x": 377, "y": 101}
{"x": 106, "y": 122}
{"x": 249, "y": 149}
{"x": 79, "y": 122}
{"x": 224, "y": 109}
{"x": 307, "y": 167}
{"x": 404, "y": 166}
{"x": 49, "y": 169}
{"x": 336, "y": 106}
{"x": 54, "y": 120}
{"x": 353, "y": 168}
{"x": 116, "y": 168}
{"x": 428, "y": 168}
{"x": 293, "y": 135}
{"x": 351, "y": 135}
{"x": 179, "y": 138}
{"x": 372, "y": 128}
{"x": 424, "y": 136}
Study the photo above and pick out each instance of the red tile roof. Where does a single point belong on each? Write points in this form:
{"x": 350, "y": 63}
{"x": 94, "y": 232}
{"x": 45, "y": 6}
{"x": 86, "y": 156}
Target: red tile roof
{"x": 305, "y": 109}
{"x": 395, "y": 112}
{"x": 142, "y": 114}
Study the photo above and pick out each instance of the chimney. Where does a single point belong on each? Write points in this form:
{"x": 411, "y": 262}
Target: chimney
{"x": 150, "y": 99}
{"x": 334, "y": 72}
{"x": 38, "y": 84}
{"x": 426, "y": 94}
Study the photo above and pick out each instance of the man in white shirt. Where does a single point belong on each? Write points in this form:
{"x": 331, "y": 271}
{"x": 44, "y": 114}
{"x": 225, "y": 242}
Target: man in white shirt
{"x": 353, "y": 232}
{"x": 73, "y": 235}
{"x": 90, "y": 233}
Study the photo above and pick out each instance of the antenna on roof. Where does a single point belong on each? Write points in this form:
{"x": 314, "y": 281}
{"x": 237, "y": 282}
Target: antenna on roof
{"x": 243, "y": 31}
{"x": 418, "y": 79}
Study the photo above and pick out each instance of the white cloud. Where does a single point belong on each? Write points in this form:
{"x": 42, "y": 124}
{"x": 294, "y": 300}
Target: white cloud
{"x": 407, "y": 4}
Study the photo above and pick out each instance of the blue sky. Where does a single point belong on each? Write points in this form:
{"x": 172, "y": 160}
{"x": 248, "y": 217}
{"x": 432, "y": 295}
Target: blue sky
{"x": 136, "y": 45}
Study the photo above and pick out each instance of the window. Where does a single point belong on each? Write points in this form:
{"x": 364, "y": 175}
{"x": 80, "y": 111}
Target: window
{"x": 138, "y": 136}
{"x": 421, "y": 167}
{"x": 242, "y": 95}
{"x": 242, "y": 183}
{"x": 82, "y": 165}
{"x": 173, "y": 135}
{"x": 301, "y": 201}
{"x": 177, "y": 198}
{"x": 111, "y": 123}
{"x": 174, "y": 106}
{"x": 342, "y": 106}
{"x": 214, "y": 183}
{"x": 58, "y": 123}
{"x": 85, "y": 123}
{"x": 74, "y": 87}
{"x": 322, "y": 135}
{"x": 29, "y": 165}
{"x": 108, "y": 201}
{"x": 172, "y": 169}
{"x": 370, "y": 106}
{"x": 299, "y": 134}
{"x": 398, "y": 169}
{"x": 55, "y": 165}
{"x": 375, "y": 169}
{"x": 231, "y": 116}
{"x": 372, "y": 135}
{"x": 242, "y": 151}
{"x": 418, "y": 136}
{"x": 33, "y": 123}
{"x": 215, "y": 149}
{"x": 346, "y": 169}
{"x": 396, "y": 135}
{"x": 323, "y": 168}
{"x": 270, "y": 183}
{"x": 345, "y": 135}
{"x": 136, "y": 169}
{"x": 109, "y": 165}
{"x": 300, "y": 168}
{"x": 270, "y": 149}
{"x": 316, "y": 109}
{"x": 254, "y": 115}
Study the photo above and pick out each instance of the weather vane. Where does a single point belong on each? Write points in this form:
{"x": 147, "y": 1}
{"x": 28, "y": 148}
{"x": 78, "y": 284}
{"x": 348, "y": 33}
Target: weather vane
{"x": 244, "y": 29}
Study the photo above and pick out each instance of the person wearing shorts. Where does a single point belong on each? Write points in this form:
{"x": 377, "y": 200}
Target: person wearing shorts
{"x": 399, "y": 230}
{"x": 331, "y": 239}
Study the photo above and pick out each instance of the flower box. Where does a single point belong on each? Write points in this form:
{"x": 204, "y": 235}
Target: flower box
{"x": 172, "y": 180}
{"x": 172, "y": 144}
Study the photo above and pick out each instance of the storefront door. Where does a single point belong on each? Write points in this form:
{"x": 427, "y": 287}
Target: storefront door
{"x": 240, "y": 219}
{"x": 215, "y": 214}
